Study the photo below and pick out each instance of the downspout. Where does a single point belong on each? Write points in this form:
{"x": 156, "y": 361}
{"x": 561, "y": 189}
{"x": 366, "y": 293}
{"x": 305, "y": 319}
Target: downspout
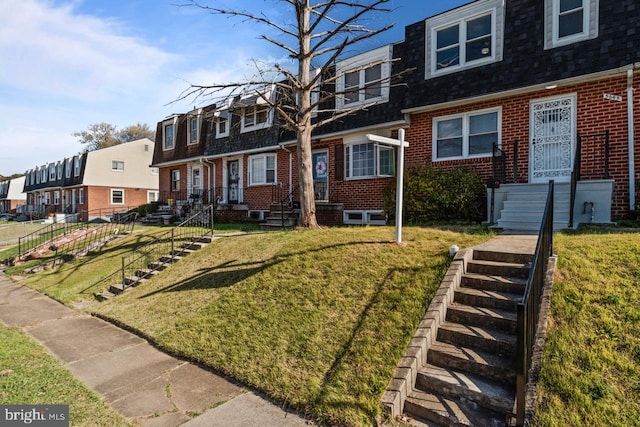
{"x": 630, "y": 118}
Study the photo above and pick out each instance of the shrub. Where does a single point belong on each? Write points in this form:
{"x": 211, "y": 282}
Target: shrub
{"x": 431, "y": 194}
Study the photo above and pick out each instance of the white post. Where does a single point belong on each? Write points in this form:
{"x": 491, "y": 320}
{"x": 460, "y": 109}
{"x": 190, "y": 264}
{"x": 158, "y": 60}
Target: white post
{"x": 399, "y": 186}
{"x": 401, "y": 144}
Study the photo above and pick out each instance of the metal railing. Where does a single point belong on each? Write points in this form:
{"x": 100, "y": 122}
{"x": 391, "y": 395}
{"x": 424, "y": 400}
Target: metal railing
{"x": 529, "y": 309}
{"x": 93, "y": 237}
{"x": 498, "y": 175}
{"x": 285, "y": 202}
{"x": 139, "y": 263}
{"x": 591, "y": 150}
{"x": 45, "y": 234}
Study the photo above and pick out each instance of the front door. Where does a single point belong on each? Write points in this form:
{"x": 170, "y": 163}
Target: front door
{"x": 553, "y": 137}
{"x": 233, "y": 181}
{"x": 320, "y": 160}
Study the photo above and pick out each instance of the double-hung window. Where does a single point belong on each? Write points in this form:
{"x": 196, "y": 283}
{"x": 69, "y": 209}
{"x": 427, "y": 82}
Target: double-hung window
{"x": 255, "y": 117}
{"x": 67, "y": 170}
{"x": 117, "y": 165}
{"x": 60, "y": 167}
{"x": 222, "y": 123}
{"x": 193, "y": 128}
{"x": 466, "y": 135}
{"x": 570, "y": 21}
{"x": 368, "y": 160}
{"x": 169, "y": 130}
{"x": 76, "y": 166}
{"x": 464, "y": 38}
{"x": 262, "y": 169}
{"x": 117, "y": 197}
{"x": 364, "y": 79}
{"x": 175, "y": 180}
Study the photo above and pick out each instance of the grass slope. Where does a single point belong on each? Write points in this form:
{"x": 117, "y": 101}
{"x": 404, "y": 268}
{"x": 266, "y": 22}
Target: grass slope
{"x": 591, "y": 367}
{"x": 316, "y": 319}
{"x": 30, "y": 375}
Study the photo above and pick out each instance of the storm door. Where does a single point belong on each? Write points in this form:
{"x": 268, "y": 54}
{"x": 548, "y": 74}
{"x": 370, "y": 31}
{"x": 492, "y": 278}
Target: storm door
{"x": 233, "y": 181}
{"x": 320, "y": 160}
{"x": 553, "y": 138}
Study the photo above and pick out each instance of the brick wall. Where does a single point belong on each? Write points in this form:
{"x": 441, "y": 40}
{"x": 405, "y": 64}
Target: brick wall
{"x": 594, "y": 115}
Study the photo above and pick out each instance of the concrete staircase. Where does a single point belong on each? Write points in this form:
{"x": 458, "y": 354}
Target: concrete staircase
{"x": 279, "y": 218}
{"x": 460, "y": 367}
{"x": 523, "y": 206}
{"x": 153, "y": 268}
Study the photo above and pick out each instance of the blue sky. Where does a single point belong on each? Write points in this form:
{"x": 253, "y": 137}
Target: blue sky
{"x": 66, "y": 64}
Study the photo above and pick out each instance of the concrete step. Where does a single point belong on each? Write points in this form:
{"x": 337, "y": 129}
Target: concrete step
{"x": 158, "y": 265}
{"x": 485, "y": 339}
{"x": 133, "y": 281}
{"x": 501, "y": 320}
{"x": 487, "y": 299}
{"x": 470, "y": 360}
{"x": 450, "y": 412}
{"x": 456, "y": 384}
{"x": 512, "y": 285}
{"x": 528, "y": 226}
{"x": 494, "y": 268}
{"x": 193, "y": 246}
{"x": 104, "y": 296}
{"x": 170, "y": 259}
{"x": 117, "y": 288}
{"x": 146, "y": 272}
{"x": 182, "y": 252}
{"x": 510, "y": 257}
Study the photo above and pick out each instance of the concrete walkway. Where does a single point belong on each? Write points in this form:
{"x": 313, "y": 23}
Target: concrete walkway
{"x": 145, "y": 385}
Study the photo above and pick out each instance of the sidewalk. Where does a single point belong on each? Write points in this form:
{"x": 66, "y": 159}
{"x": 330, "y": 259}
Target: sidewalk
{"x": 136, "y": 379}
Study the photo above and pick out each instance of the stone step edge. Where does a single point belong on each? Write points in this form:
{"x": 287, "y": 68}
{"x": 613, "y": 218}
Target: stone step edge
{"x": 415, "y": 356}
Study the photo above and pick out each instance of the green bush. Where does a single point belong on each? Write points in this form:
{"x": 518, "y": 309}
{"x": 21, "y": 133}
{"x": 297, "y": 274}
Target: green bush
{"x": 431, "y": 194}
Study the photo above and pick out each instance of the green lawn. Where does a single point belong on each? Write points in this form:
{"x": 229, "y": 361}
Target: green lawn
{"x": 30, "y": 375}
{"x": 591, "y": 367}
{"x": 316, "y": 319}
{"x": 319, "y": 319}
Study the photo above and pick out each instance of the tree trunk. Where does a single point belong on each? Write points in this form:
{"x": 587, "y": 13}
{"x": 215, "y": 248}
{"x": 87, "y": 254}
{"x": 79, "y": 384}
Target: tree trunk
{"x": 305, "y": 168}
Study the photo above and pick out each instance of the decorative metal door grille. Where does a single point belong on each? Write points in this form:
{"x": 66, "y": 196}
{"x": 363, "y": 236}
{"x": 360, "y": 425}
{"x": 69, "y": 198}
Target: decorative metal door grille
{"x": 552, "y": 140}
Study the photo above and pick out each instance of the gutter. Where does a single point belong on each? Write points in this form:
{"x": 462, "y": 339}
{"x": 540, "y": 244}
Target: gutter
{"x": 283, "y": 147}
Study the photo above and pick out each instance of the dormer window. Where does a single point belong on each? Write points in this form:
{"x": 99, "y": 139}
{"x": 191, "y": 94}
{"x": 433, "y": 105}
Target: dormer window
{"x": 52, "y": 172}
{"x": 60, "y": 167}
{"x": 43, "y": 178}
{"x": 256, "y": 117}
{"x": 193, "y": 127}
{"x": 76, "y": 166}
{"x": 68, "y": 169}
{"x": 169, "y": 130}
{"x": 222, "y": 123}
{"x": 570, "y": 21}
{"x": 465, "y": 38}
{"x": 364, "y": 79}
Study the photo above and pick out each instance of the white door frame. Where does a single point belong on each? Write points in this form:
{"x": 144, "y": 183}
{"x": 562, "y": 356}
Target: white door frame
{"x": 552, "y": 144}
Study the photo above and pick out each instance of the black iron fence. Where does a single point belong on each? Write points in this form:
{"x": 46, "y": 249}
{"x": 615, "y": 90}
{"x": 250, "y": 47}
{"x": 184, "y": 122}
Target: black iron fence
{"x": 169, "y": 245}
{"x": 529, "y": 308}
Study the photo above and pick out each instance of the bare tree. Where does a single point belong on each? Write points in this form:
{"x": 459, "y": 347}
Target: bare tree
{"x": 321, "y": 33}
{"x": 103, "y": 135}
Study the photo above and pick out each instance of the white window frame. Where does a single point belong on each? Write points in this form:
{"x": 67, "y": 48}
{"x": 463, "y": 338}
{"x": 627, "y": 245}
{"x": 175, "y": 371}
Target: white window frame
{"x": 377, "y": 148}
{"x": 193, "y": 117}
{"x": 465, "y": 134}
{"x": 81, "y": 196}
{"x": 115, "y": 165}
{"x": 460, "y": 17}
{"x": 152, "y": 196}
{"x": 173, "y": 124}
{"x": 112, "y": 192}
{"x": 196, "y": 171}
{"x": 367, "y": 217}
{"x": 222, "y": 116}
{"x": 60, "y": 166}
{"x": 56, "y": 197}
{"x": 76, "y": 166}
{"x": 552, "y": 24}
{"x": 255, "y": 110}
{"x": 360, "y": 63}
{"x": 38, "y": 174}
{"x": 69, "y": 166}
{"x": 155, "y": 171}
{"x": 52, "y": 172}
{"x": 253, "y": 180}
{"x": 174, "y": 176}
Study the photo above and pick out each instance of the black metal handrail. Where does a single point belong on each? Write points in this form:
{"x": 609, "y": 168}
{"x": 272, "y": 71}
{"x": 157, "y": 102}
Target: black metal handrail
{"x": 529, "y": 309}
{"x": 138, "y": 264}
{"x": 278, "y": 197}
{"x": 576, "y": 173}
{"x": 498, "y": 174}
{"x": 41, "y": 236}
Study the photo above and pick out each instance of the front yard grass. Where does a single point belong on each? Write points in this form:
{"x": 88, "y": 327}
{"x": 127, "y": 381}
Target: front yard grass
{"x": 317, "y": 319}
{"x": 591, "y": 366}
{"x": 30, "y": 375}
